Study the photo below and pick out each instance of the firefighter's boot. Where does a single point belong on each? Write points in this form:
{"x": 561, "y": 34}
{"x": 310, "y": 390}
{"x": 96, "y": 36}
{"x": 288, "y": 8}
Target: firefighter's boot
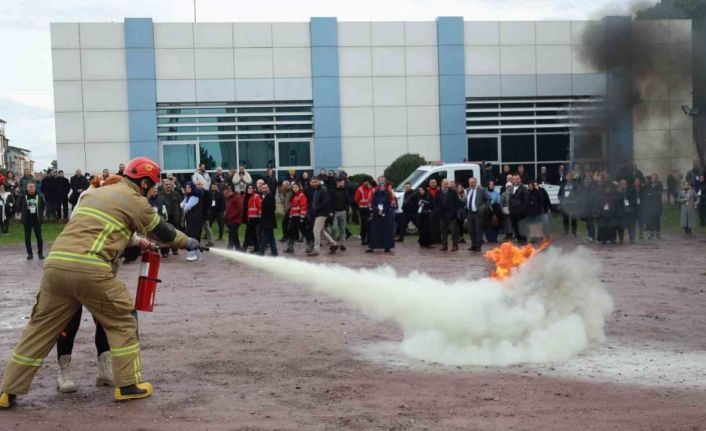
{"x": 64, "y": 382}
{"x": 6, "y": 400}
{"x": 133, "y": 392}
{"x": 105, "y": 370}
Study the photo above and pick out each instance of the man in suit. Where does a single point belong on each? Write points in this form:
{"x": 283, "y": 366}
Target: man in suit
{"x": 477, "y": 204}
{"x": 447, "y": 203}
{"x": 518, "y": 204}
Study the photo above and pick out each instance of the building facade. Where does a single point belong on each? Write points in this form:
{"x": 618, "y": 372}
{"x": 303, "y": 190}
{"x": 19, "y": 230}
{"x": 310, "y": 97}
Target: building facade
{"x": 3, "y": 145}
{"x": 19, "y": 159}
{"x": 356, "y": 95}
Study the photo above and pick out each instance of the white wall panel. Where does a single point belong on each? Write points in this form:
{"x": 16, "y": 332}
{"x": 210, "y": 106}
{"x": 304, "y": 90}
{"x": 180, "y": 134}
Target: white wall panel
{"x": 105, "y": 95}
{"x": 354, "y": 34}
{"x": 176, "y": 90}
{"x": 553, "y": 32}
{"x": 66, "y": 64}
{"x": 422, "y": 90}
{"x": 390, "y": 121}
{"x": 651, "y": 116}
{"x": 174, "y": 35}
{"x": 355, "y": 61}
{"x": 356, "y": 91}
{"x": 420, "y": 33}
{"x": 215, "y": 90}
{"x": 69, "y": 127}
{"x": 388, "y": 34}
{"x": 579, "y": 28}
{"x": 682, "y": 144}
{"x": 293, "y": 89}
{"x": 482, "y": 60}
{"x": 389, "y": 91}
{"x": 252, "y": 34}
{"x": 213, "y": 35}
{"x": 357, "y": 151}
{"x": 292, "y": 62}
{"x": 102, "y": 35}
{"x": 421, "y": 61}
{"x": 103, "y": 64}
{"x": 677, "y": 118}
{"x": 254, "y": 89}
{"x": 100, "y": 156}
{"x": 517, "y": 60}
{"x": 423, "y": 120}
{"x": 215, "y": 63}
{"x": 426, "y": 146}
{"x": 174, "y": 63}
{"x": 651, "y": 144}
{"x": 481, "y": 32}
{"x": 517, "y": 33}
{"x": 70, "y": 157}
{"x": 554, "y": 59}
{"x": 357, "y": 122}
{"x": 579, "y": 64}
{"x": 253, "y": 62}
{"x": 291, "y": 34}
{"x": 388, "y": 61}
{"x": 106, "y": 127}
{"x": 64, "y": 35}
{"x": 387, "y": 149}
{"x": 67, "y": 96}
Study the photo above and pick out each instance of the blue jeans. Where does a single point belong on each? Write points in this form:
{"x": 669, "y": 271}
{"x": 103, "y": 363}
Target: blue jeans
{"x": 338, "y": 227}
{"x": 267, "y": 237}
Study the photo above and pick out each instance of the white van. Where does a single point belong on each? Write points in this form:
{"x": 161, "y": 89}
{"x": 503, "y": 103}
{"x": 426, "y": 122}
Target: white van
{"x": 458, "y": 172}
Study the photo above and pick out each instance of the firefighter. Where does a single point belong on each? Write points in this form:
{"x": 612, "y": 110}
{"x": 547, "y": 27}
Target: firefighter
{"x": 78, "y": 271}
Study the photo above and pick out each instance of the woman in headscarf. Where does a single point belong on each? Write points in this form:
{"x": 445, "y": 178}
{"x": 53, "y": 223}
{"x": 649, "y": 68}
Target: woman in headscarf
{"x": 382, "y": 224}
{"x": 193, "y": 217}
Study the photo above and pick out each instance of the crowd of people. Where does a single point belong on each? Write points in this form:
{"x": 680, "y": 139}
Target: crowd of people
{"x": 318, "y": 209}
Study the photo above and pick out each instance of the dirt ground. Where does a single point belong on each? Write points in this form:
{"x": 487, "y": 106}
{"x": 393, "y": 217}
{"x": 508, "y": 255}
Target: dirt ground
{"x": 228, "y": 348}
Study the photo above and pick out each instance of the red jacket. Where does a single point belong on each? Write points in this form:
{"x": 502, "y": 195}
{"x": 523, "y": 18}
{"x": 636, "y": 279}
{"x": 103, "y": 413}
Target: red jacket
{"x": 393, "y": 198}
{"x": 254, "y": 206}
{"x": 234, "y": 210}
{"x": 298, "y": 205}
{"x": 362, "y": 196}
{"x": 433, "y": 192}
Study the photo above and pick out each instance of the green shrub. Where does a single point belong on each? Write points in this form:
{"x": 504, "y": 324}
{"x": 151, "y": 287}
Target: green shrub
{"x": 359, "y": 178}
{"x": 402, "y": 167}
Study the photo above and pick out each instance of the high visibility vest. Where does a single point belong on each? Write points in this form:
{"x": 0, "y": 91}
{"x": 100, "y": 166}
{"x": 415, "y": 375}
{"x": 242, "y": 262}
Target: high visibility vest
{"x": 254, "y": 206}
{"x": 362, "y": 198}
{"x": 298, "y": 205}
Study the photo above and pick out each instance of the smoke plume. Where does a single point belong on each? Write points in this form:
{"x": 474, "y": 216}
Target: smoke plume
{"x": 553, "y": 308}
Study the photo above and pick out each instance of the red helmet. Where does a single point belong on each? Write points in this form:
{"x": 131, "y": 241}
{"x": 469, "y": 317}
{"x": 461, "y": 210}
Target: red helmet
{"x": 141, "y": 167}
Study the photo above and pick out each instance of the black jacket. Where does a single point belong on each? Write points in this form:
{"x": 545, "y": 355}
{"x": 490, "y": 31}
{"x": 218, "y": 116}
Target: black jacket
{"x": 267, "y": 218}
{"x": 24, "y": 208}
{"x": 77, "y": 183}
{"x": 62, "y": 188}
{"x": 518, "y": 201}
{"x": 447, "y": 204}
{"x": 318, "y": 202}
{"x": 220, "y": 201}
{"x": 174, "y": 211}
{"x": 48, "y": 186}
{"x": 340, "y": 200}
{"x": 410, "y": 202}
{"x": 205, "y": 202}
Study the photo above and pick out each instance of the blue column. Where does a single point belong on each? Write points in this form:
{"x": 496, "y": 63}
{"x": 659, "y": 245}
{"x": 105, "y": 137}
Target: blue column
{"x": 141, "y": 87}
{"x": 327, "y": 104}
{"x": 619, "y": 145}
{"x": 452, "y": 89}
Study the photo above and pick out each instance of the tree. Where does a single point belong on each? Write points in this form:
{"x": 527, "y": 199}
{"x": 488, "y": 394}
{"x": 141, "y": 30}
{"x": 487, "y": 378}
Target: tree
{"x": 696, "y": 11}
{"x": 54, "y": 165}
{"x": 402, "y": 167}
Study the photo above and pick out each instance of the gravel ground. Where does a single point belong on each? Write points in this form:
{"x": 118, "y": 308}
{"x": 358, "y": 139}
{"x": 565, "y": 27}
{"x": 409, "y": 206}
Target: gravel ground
{"x": 228, "y": 348}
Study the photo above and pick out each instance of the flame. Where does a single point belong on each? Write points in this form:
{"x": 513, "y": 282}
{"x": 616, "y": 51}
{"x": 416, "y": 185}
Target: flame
{"x": 507, "y": 256}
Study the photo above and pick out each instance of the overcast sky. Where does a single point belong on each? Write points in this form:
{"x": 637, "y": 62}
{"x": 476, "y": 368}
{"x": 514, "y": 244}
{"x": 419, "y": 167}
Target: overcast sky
{"x": 26, "y": 95}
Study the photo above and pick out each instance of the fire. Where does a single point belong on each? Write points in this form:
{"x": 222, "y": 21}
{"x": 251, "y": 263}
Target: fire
{"x": 507, "y": 256}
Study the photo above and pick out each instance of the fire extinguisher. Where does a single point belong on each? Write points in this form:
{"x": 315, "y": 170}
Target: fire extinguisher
{"x": 147, "y": 282}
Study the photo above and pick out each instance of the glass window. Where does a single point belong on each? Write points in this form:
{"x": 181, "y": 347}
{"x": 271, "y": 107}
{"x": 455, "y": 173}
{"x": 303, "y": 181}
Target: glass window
{"x": 518, "y": 148}
{"x": 438, "y": 176}
{"x": 461, "y": 176}
{"x": 553, "y": 147}
{"x": 483, "y": 148}
{"x": 294, "y": 153}
{"x": 178, "y": 157}
{"x": 218, "y": 154}
{"x": 587, "y": 147}
{"x": 257, "y": 154}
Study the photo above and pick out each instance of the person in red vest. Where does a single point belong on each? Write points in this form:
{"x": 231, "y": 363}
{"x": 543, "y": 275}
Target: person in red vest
{"x": 434, "y": 215}
{"x": 233, "y": 216}
{"x": 253, "y": 211}
{"x": 362, "y": 200}
{"x": 297, "y": 217}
